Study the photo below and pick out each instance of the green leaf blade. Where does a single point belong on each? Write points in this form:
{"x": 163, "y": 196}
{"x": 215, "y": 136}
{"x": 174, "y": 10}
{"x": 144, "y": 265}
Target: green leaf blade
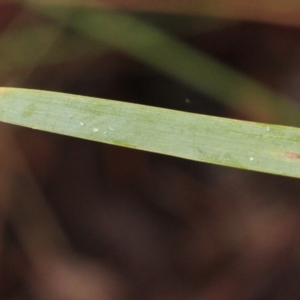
{"x": 246, "y": 145}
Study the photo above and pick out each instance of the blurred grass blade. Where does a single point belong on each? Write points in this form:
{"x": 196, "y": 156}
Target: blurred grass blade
{"x": 278, "y": 11}
{"x": 173, "y": 57}
{"x": 246, "y": 145}
{"x": 34, "y": 46}
{"x": 25, "y": 47}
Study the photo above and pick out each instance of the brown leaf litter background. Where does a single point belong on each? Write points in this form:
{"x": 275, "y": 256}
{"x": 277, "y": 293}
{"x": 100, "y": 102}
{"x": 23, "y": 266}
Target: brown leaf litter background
{"x": 81, "y": 220}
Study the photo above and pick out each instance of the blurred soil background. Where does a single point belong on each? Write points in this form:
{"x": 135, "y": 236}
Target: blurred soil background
{"x": 84, "y": 220}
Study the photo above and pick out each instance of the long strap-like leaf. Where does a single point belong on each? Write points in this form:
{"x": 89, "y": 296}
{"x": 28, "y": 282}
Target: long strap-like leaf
{"x": 246, "y": 145}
